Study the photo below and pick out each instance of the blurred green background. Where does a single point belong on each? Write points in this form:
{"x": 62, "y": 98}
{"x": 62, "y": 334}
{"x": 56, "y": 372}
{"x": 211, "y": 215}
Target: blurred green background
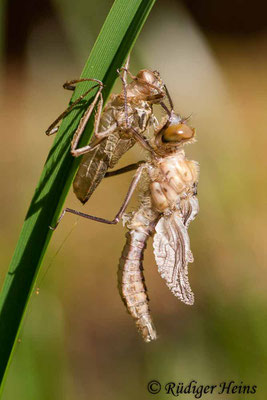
{"x": 77, "y": 341}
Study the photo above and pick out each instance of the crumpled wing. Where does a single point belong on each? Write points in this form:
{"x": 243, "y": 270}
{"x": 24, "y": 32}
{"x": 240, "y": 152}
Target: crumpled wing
{"x": 189, "y": 209}
{"x": 172, "y": 253}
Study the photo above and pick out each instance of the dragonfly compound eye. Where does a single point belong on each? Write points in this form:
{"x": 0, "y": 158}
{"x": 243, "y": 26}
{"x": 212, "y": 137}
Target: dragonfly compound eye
{"x": 176, "y": 133}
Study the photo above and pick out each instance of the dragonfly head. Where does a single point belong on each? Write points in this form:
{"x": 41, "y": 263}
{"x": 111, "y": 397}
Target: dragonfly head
{"x": 148, "y": 84}
{"x": 174, "y": 133}
{"x": 147, "y": 76}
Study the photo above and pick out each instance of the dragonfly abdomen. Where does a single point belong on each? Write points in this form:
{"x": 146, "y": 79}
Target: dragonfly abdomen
{"x": 90, "y": 173}
{"x": 93, "y": 167}
{"x": 131, "y": 283}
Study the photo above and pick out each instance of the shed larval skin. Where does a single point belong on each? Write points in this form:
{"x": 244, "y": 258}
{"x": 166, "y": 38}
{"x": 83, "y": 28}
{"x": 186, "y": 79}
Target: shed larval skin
{"x": 145, "y": 90}
{"x": 168, "y": 204}
{"x": 123, "y": 122}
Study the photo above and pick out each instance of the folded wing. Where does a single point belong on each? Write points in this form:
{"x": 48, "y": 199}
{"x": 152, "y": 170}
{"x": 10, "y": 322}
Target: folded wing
{"x": 172, "y": 252}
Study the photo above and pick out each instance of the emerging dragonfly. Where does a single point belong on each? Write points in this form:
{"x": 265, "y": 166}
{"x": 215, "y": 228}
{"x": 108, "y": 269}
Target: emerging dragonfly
{"x": 168, "y": 204}
{"x": 123, "y": 121}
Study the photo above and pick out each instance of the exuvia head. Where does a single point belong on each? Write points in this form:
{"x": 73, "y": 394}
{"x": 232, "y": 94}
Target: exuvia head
{"x": 148, "y": 85}
{"x": 175, "y": 132}
{"x": 149, "y": 77}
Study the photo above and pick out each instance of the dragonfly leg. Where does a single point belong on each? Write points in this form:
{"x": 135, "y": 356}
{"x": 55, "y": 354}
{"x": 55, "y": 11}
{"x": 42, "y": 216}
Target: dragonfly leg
{"x": 126, "y": 71}
{"x": 53, "y": 128}
{"x": 83, "y": 122}
{"x": 122, "y": 170}
{"x": 154, "y": 98}
{"x": 108, "y": 131}
{"x": 143, "y": 142}
{"x": 169, "y": 97}
{"x": 102, "y": 135}
{"x": 70, "y": 84}
{"x": 163, "y": 105}
{"x": 97, "y": 117}
{"x": 119, "y": 214}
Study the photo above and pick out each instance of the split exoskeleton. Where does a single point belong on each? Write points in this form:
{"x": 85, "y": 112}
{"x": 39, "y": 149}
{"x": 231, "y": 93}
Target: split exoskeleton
{"x": 167, "y": 184}
{"x": 117, "y": 128}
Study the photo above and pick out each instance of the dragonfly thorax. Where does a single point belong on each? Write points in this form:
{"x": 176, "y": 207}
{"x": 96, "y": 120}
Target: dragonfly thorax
{"x": 172, "y": 179}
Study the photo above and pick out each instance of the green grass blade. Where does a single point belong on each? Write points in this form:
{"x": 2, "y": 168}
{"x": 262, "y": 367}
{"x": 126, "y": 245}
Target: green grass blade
{"x": 115, "y": 40}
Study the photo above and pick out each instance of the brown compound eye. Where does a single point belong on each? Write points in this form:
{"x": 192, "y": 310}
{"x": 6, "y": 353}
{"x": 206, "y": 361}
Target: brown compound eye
{"x": 178, "y": 133}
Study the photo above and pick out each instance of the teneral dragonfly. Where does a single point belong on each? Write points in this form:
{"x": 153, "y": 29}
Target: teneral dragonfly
{"x": 168, "y": 204}
{"x": 123, "y": 121}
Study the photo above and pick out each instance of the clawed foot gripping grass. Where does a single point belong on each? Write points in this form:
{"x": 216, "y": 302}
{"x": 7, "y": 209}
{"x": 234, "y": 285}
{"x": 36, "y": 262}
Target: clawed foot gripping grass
{"x": 116, "y": 39}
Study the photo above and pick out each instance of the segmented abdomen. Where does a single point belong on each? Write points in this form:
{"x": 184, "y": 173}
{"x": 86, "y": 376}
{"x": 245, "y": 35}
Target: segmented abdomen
{"x": 131, "y": 282}
{"x": 95, "y": 164}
